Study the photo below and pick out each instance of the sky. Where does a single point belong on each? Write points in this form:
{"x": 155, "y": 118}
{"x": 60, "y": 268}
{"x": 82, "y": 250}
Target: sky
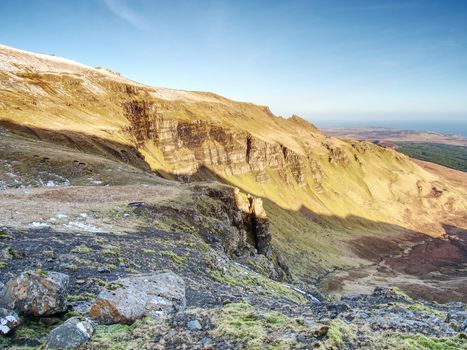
{"x": 326, "y": 60}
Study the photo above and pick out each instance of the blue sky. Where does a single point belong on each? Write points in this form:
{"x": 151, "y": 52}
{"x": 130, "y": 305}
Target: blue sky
{"x": 323, "y": 59}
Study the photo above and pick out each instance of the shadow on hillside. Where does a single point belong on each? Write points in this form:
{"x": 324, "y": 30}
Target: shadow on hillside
{"x": 364, "y": 238}
{"x": 81, "y": 142}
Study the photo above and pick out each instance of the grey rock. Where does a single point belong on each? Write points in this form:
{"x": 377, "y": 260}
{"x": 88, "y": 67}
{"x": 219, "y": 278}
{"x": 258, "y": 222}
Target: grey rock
{"x": 36, "y": 294}
{"x": 194, "y": 325}
{"x": 82, "y": 307}
{"x": 131, "y": 298}
{"x": 9, "y": 320}
{"x": 311, "y": 323}
{"x": 463, "y": 326}
{"x": 71, "y": 334}
{"x": 206, "y": 341}
{"x": 5, "y": 254}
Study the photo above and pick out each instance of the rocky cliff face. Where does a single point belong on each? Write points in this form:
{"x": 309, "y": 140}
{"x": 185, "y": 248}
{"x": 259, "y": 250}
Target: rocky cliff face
{"x": 243, "y": 228}
{"x": 188, "y": 145}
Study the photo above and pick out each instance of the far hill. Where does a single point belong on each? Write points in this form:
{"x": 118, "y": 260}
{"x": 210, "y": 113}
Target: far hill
{"x": 443, "y": 149}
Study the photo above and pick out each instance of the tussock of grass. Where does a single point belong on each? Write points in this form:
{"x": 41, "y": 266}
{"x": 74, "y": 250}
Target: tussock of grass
{"x": 82, "y": 250}
{"x": 339, "y": 334}
{"x": 421, "y": 342}
{"x": 419, "y": 307}
{"x": 175, "y": 258}
{"x": 235, "y": 275}
{"x": 115, "y": 336}
{"x": 253, "y": 328}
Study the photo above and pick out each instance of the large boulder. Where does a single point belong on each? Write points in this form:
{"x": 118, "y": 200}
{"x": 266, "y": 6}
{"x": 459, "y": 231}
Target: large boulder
{"x": 71, "y": 334}
{"x": 36, "y": 293}
{"x": 9, "y": 320}
{"x": 129, "y": 299}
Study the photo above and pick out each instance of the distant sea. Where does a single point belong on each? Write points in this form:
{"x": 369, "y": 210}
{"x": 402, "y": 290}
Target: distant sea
{"x": 452, "y": 128}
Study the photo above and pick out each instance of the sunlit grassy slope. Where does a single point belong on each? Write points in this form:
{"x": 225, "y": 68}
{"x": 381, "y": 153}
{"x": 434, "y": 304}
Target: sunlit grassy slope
{"x": 372, "y": 188}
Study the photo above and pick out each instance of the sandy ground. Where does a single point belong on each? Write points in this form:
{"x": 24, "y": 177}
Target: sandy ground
{"x": 75, "y": 207}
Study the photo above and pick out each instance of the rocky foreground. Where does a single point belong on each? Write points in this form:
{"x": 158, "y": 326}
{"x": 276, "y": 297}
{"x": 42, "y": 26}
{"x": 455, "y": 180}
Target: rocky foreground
{"x": 144, "y": 291}
{"x": 149, "y": 312}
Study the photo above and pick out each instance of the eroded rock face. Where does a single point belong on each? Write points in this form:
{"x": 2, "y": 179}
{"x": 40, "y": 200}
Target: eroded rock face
{"x": 244, "y": 230}
{"x": 131, "y": 298}
{"x": 189, "y": 145}
{"x": 71, "y": 334}
{"x": 36, "y": 294}
{"x": 246, "y": 227}
{"x": 9, "y": 320}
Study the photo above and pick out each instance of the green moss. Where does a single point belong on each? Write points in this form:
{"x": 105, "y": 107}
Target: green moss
{"x": 81, "y": 297}
{"x": 175, "y": 258}
{"x": 70, "y": 314}
{"x": 255, "y": 265}
{"x": 203, "y": 246}
{"x": 235, "y": 275}
{"x": 419, "y": 307}
{"x": 224, "y": 278}
{"x": 32, "y": 329}
{"x": 4, "y": 235}
{"x": 41, "y": 272}
{"x": 112, "y": 337}
{"x": 421, "y": 342}
{"x": 339, "y": 334}
{"x": 401, "y": 294}
{"x": 119, "y": 336}
{"x": 111, "y": 250}
{"x": 149, "y": 251}
{"x": 3, "y": 264}
{"x": 113, "y": 285}
{"x": 252, "y": 328}
{"x": 14, "y": 253}
{"x": 82, "y": 250}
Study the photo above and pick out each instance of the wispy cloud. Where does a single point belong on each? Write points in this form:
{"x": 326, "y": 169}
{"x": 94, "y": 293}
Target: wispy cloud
{"x": 123, "y": 9}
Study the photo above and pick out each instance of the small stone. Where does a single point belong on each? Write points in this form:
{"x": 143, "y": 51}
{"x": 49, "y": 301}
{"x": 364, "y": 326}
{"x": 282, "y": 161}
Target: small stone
{"x": 71, "y": 334}
{"x": 9, "y": 320}
{"x": 194, "y": 325}
{"x": 5, "y": 254}
{"x": 206, "y": 341}
{"x": 80, "y": 281}
{"x": 312, "y": 324}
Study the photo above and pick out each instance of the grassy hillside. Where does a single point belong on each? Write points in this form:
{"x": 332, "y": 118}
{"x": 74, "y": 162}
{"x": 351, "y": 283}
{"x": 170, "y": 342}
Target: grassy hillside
{"x": 328, "y": 187}
{"x": 454, "y": 157}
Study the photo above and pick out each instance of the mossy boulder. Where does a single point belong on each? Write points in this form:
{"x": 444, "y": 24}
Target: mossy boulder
{"x": 34, "y": 293}
{"x": 128, "y": 299}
